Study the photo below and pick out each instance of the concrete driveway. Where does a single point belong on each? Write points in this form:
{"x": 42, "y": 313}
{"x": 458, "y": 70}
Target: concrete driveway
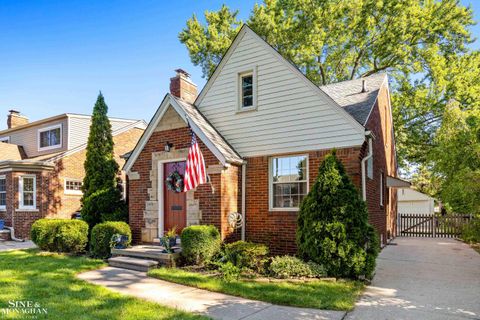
{"x": 423, "y": 278}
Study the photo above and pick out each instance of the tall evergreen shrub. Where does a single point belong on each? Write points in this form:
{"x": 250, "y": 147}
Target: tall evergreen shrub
{"x": 102, "y": 199}
{"x": 333, "y": 228}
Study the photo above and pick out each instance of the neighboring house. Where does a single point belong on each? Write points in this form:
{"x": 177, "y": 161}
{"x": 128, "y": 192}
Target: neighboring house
{"x": 41, "y": 165}
{"x": 264, "y": 129}
{"x": 412, "y": 201}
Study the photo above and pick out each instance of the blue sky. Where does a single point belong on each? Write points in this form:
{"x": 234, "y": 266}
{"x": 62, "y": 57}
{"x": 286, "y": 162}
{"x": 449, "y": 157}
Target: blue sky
{"x": 56, "y": 55}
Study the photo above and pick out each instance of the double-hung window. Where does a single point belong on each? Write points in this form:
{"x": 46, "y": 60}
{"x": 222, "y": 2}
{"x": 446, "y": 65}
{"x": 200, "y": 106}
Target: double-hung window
{"x": 50, "y": 138}
{"x": 247, "y": 90}
{"x": 288, "y": 182}
{"x": 27, "y": 189}
{"x": 5, "y": 139}
{"x": 3, "y": 193}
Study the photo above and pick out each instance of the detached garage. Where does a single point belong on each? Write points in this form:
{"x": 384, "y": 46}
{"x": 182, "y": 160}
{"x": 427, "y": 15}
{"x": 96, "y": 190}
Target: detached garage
{"x": 412, "y": 201}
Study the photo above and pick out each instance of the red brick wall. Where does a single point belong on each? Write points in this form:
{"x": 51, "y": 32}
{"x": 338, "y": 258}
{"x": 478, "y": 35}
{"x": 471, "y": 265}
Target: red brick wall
{"x": 382, "y": 216}
{"x": 277, "y": 229}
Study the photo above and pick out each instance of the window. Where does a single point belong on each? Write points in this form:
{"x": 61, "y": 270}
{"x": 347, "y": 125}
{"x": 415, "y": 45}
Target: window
{"x": 370, "y": 167}
{"x": 288, "y": 182}
{"x": 50, "y": 138}
{"x": 3, "y": 193}
{"x": 5, "y": 139}
{"x": 247, "y": 90}
{"x": 73, "y": 186}
{"x": 27, "y": 188}
{"x": 381, "y": 189}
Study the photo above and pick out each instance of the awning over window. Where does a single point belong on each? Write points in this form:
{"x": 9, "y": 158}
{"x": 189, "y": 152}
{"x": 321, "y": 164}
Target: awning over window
{"x": 393, "y": 182}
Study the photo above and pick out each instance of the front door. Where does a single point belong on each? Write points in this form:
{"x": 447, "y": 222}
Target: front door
{"x": 175, "y": 211}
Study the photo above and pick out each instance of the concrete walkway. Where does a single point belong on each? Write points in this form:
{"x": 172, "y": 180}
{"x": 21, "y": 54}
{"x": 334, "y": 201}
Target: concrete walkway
{"x": 215, "y": 305}
{"x": 423, "y": 278}
{"x": 13, "y": 245}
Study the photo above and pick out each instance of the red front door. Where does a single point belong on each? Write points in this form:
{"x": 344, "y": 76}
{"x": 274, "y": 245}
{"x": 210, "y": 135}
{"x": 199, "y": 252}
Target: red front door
{"x": 175, "y": 211}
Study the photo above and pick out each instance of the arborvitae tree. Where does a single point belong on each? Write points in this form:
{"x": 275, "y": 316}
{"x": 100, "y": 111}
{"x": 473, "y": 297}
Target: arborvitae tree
{"x": 333, "y": 228}
{"x": 102, "y": 199}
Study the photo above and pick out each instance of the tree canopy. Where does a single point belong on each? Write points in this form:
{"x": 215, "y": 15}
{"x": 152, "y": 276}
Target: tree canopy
{"x": 423, "y": 45}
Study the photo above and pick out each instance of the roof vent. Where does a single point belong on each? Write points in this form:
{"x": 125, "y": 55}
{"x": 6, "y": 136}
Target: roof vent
{"x": 364, "y": 86}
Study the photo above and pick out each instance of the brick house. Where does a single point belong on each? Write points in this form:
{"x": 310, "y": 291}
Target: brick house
{"x": 41, "y": 165}
{"x": 264, "y": 129}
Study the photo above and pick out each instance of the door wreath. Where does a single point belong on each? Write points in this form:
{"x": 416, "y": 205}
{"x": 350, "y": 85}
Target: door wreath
{"x": 175, "y": 182}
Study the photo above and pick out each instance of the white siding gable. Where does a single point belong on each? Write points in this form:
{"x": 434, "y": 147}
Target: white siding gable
{"x": 291, "y": 115}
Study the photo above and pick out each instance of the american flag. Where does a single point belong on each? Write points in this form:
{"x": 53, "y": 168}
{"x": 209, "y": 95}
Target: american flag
{"x": 195, "y": 173}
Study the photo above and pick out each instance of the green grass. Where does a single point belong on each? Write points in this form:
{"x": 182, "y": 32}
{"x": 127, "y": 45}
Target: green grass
{"x": 340, "y": 295}
{"x": 49, "y": 279}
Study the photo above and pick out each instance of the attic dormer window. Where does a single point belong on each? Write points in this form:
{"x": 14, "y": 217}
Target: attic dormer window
{"x": 50, "y": 138}
{"x": 247, "y": 90}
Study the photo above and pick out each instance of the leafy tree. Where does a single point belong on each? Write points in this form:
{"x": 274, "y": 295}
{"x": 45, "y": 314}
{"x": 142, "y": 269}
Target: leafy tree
{"x": 333, "y": 228}
{"x": 102, "y": 199}
{"x": 422, "y": 44}
{"x": 456, "y": 159}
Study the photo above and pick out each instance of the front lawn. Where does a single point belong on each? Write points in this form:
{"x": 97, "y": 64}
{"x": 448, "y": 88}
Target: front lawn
{"x": 319, "y": 294}
{"x": 49, "y": 280}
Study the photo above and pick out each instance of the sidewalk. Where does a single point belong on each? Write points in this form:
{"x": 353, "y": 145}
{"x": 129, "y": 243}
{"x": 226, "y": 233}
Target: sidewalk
{"x": 12, "y": 245}
{"x": 215, "y": 305}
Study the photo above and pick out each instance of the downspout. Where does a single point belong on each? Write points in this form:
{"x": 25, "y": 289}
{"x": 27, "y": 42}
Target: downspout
{"x": 244, "y": 175}
{"x": 368, "y": 135}
{"x": 12, "y": 235}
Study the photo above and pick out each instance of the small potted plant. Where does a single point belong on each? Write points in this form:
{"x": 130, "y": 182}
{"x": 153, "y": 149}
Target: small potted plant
{"x": 172, "y": 236}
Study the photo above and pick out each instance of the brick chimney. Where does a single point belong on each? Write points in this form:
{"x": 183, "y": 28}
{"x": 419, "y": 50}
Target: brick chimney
{"x": 15, "y": 119}
{"x": 181, "y": 86}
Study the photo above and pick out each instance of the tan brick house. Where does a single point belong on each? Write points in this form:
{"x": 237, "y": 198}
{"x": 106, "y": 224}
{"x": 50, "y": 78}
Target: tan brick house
{"x": 264, "y": 129}
{"x": 41, "y": 165}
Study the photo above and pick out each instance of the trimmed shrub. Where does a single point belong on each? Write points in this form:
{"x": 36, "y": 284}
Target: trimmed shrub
{"x": 200, "y": 243}
{"x": 285, "y": 267}
{"x": 248, "y": 255}
{"x": 60, "y": 235}
{"x": 102, "y": 235}
{"x": 471, "y": 232}
{"x": 333, "y": 228}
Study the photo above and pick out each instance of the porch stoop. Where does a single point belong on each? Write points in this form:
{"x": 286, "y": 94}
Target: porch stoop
{"x": 143, "y": 257}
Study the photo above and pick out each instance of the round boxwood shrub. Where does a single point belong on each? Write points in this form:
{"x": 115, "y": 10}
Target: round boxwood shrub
{"x": 248, "y": 255}
{"x": 102, "y": 235}
{"x": 333, "y": 228}
{"x": 60, "y": 235}
{"x": 200, "y": 243}
{"x": 285, "y": 267}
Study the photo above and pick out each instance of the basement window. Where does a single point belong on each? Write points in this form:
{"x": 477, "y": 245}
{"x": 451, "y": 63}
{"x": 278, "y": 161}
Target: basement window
{"x": 288, "y": 182}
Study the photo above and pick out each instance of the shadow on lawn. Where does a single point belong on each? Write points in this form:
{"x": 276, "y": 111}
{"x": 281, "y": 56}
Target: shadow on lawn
{"x": 49, "y": 279}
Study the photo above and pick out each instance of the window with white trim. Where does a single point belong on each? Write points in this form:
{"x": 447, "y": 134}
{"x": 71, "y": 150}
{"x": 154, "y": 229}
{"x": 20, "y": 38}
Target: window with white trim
{"x": 27, "y": 188}
{"x": 288, "y": 182}
{"x": 3, "y": 193}
{"x": 73, "y": 186}
{"x": 247, "y": 90}
{"x": 5, "y": 139}
{"x": 370, "y": 167}
{"x": 50, "y": 138}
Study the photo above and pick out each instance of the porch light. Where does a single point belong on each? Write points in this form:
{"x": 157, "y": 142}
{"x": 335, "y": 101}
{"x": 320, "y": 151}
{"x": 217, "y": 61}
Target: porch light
{"x": 168, "y": 146}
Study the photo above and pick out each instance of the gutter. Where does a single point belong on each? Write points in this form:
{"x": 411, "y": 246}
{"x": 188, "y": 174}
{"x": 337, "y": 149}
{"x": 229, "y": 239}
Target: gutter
{"x": 244, "y": 175}
{"x": 369, "y": 137}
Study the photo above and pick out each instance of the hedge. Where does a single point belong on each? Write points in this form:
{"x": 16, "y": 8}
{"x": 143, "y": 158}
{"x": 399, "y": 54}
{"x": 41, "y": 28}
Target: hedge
{"x": 60, "y": 235}
{"x": 200, "y": 243}
{"x": 102, "y": 235}
{"x": 248, "y": 255}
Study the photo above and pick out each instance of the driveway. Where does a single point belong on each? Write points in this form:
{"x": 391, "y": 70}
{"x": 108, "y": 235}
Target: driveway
{"x": 423, "y": 278}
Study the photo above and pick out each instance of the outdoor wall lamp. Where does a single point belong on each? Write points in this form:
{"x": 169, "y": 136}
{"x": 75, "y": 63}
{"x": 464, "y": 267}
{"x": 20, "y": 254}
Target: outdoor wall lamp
{"x": 168, "y": 146}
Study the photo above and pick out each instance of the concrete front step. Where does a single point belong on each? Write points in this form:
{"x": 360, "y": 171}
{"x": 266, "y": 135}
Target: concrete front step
{"x": 150, "y": 252}
{"x": 132, "y": 263}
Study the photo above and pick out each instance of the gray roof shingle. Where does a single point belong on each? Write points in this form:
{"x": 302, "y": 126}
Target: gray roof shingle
{"x": 349, "y": 95}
